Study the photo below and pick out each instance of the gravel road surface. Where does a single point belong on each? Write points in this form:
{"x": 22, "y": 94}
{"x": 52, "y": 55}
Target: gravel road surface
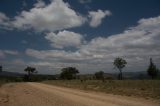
{"x": 38, "y": 94}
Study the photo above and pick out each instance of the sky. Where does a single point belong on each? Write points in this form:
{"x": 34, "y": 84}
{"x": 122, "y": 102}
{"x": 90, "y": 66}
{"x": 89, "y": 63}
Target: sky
{"x": 87, "y": 34}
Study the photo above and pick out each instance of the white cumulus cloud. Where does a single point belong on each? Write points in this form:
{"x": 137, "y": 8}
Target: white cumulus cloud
{"x": 11, "y": 52}
{"x": 136, "y": 44}
{"x": 3, "y": 53}
{"x": 55, "y": 16}
{"x": 140, "y": 42}
{"x": 65, "y": 39}
{"x": 4, "y": 21}
{"x": 96, "y": 17}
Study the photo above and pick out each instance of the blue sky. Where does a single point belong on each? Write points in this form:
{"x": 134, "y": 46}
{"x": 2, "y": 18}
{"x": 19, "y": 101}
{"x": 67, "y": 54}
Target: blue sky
{"x": 87, "y": 34}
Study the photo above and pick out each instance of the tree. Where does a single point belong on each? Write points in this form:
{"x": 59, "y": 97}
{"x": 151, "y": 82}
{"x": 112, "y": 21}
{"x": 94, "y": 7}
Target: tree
{"x": 0, "y": 68}
{"x": 99, "y": 75}
{"x": 119, "y": 63}
{"x": 152, "y": 69}
{"x": 69, "y": 73}
{"x": 30, "y": 70}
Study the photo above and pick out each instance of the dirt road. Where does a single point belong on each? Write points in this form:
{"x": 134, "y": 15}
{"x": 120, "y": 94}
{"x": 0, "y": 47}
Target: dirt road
{"x": 37, "y": 94}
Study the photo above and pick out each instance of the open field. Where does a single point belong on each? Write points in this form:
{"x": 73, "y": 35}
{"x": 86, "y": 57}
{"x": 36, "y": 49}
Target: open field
{"x": 149, "y": 89}
{"x": 38, "y": 94}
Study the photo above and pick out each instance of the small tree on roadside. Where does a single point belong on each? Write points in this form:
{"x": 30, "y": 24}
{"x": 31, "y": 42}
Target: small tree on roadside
{"x": 119, "y": 63}
{"x": 152, "y": 69}
{"x": 99, "y": 75}
{"x": 30, "y": 70}
{"x": 0, "y": 68}
{"x": 69, "y": 73}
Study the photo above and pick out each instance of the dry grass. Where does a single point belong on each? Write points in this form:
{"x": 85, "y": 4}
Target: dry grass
{"x": 139, "y": 88}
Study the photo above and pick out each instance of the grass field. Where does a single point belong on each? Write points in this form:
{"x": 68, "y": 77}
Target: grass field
{"x": 149, "y": 89}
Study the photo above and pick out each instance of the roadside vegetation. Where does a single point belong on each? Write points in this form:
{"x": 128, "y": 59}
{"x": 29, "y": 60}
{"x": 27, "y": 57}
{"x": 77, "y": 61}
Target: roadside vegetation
{"x": 6, "y": 79}
{"x": 138, "y": 88}
{"x": 99, "y": 82}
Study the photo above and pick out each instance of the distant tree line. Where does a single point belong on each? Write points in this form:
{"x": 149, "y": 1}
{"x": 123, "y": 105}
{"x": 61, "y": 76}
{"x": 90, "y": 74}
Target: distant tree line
{"x": 70, "y": 73}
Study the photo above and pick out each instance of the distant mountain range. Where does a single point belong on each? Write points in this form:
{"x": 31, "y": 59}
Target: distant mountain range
{"x": 136, "y": 75}
{"x": 130, "y": 75}
{"x": 126, "y": 75}
{"x": 10, "y": 74}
